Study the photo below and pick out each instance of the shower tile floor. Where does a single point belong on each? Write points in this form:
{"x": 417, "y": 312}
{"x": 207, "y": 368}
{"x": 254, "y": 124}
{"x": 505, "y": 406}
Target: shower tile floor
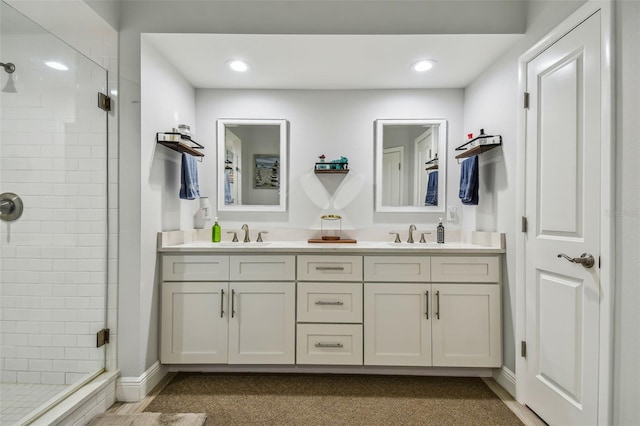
{"x": 19, "y": 400}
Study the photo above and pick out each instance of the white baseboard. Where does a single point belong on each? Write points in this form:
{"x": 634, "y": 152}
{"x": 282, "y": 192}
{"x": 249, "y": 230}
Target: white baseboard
{"x": 507, "y": 379}
{"x": 134, "y": 389}
{"x": 334, "y": 369}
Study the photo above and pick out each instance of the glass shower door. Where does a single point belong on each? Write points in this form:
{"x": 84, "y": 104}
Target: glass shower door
{"x": 53, "y": 257}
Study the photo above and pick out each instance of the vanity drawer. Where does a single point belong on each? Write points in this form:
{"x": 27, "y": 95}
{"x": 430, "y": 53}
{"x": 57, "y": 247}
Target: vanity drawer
{"x": 329, "y": 344}
{"x": 195, "y": 268}
{"x": 262, "y": 268}
{"x": 330, "y": 268}
{"x": 397, "y": 268}
{"x": 465, "y": 269}
{"x": 330, "y": 302}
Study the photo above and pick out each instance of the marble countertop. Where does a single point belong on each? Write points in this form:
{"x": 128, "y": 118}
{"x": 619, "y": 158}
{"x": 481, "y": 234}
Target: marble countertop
{"x": 466, "y": 243}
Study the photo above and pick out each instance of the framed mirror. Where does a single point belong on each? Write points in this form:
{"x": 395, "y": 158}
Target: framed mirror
{"x": 252, "y": 165}
{"x": 410, "y": 165}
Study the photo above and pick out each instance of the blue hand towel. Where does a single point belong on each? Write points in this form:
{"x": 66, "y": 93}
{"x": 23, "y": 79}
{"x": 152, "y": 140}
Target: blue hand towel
{"x": 469, "y": 181}
{"x": 227, "y": 187}
{"x": 431, "y": 199}
{"x": 189, "y": 189}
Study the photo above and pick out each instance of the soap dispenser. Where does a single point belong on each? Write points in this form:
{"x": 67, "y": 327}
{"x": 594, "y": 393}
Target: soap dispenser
{"x": 215, "y": 232}
{"x": 440, "y": 232}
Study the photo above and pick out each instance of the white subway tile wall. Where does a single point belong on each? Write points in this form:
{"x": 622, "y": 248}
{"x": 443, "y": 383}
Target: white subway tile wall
{"x": 53, "y": 260}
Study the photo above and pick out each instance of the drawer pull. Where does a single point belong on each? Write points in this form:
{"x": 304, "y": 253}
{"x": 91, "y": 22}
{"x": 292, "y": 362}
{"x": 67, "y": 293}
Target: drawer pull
{"x": 427, "y": 311}
{"x": 233, "y": 303}
{"x": 329, "y": 345}
{"x": 221, "y": 303}
{"x": 322, "y": 302}
{"x": 329, "y": 268}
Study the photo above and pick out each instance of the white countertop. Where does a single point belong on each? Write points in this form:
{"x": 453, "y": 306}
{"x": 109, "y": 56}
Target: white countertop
{"x": 188, "y": 241}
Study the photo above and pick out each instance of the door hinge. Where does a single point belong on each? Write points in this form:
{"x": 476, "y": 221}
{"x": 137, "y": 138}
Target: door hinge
{"x": 525, "y": 100}
{"x": 525, "y": 224}
{"x": 102, "y": 337}
{"x": 104, "y": 102}
{"x": 523, "y": 349}
{"x": 399, "y": 166}
{"x": 599, "y": 262}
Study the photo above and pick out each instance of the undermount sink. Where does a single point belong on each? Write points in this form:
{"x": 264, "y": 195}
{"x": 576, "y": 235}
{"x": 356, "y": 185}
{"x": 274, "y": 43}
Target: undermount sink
{"x": 408, "y": 245}
{"x": 243, "y": 245}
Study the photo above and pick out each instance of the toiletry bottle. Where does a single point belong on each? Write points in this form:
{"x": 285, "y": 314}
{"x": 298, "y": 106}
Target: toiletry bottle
{"x": 440, "y": 232}
{"x": 215, "y": 232}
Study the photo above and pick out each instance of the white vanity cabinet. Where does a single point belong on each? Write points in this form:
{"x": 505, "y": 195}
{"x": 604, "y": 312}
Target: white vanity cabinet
{"x": 325, "y": 306}
{"x": 397, "y": 324}
{"x": 466, "y": 329}
{"x": 467, "y": 326}
{"x": 194, "y": 324}
{"x": 329, "y": 301}
{"x": 228, "y": 316}
{"x": 410, "y": 321}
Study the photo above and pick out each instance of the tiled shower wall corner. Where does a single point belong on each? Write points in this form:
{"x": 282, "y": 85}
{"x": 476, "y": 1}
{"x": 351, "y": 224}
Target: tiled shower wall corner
{"x": 53, "y": 153}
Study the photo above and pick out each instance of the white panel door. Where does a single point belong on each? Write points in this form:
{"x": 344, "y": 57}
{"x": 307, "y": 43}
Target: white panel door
{"x": 397, "y": 324}
{"x": 194, "y": 323}
{"x": 424, "y": 152}
{"x": 466, "y": 326}
{"x": 393, "y": 183}
{"x": 262, "y": 323}
{"x": 563, "y": 137}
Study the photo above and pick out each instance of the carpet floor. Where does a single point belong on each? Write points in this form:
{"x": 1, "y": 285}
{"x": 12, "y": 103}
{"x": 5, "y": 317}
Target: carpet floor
{"x": 149, "y": 419}
{"x": 284, "y": 399}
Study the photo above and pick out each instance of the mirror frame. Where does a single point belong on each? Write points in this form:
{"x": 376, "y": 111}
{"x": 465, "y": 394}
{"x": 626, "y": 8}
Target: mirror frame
{"x": 442, "y": 166}
{"x": 221, "y": 125}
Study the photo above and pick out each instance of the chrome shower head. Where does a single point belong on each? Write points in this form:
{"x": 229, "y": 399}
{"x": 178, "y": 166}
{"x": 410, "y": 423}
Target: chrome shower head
{"x": 9, "y": 68}
{"x": 10, "y": 87}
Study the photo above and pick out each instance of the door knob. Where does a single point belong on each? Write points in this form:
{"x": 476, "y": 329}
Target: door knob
{"x": 585, "y": 259}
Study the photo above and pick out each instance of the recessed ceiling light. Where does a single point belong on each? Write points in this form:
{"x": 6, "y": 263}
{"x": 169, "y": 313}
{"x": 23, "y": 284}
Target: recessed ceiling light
{"x": 238, "y": 65}
{"x": 423, "y": 65}
{"x": 56, "y": 66}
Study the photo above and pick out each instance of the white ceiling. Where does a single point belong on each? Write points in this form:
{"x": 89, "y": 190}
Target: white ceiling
{"x": 330, "y": 61}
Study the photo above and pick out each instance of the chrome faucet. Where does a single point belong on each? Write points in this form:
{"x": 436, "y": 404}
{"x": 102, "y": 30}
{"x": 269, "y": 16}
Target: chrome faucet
{"x": 412, "y": 228}
{"x": 245, "y": 228}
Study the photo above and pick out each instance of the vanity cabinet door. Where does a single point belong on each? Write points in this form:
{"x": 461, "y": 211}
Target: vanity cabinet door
{"x": 194, "y": 323}
{"x": 466, "y": 325}
{"x": 397, "y": 324}
{"x": 262, "y": 323}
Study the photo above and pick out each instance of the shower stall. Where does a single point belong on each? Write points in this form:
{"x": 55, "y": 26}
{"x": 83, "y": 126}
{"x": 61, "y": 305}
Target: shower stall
{"x": 54, "y": 230}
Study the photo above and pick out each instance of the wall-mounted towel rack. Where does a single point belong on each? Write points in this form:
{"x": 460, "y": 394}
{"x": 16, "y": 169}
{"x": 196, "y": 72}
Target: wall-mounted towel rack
{"x": 432, "y": 164}
{"x": 478, "y": 145}
{"x": 179, "y": 142}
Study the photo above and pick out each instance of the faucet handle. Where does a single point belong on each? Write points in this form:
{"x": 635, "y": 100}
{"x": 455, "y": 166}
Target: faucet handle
{"x": 397, "y": 240}
{"x": 259, "y": 240}
{"x": 422, "y": 240}
{"x": 235, "y": 236}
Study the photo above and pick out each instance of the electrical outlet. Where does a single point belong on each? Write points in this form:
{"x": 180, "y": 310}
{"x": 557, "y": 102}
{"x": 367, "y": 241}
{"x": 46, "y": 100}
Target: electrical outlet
{"x": 452, "y": 213}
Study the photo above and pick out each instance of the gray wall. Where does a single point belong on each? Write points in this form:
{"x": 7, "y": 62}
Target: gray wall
{"x": 491, "y": 102}
{"x": 626, "y": 363}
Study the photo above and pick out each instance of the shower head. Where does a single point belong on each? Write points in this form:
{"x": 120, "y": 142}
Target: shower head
{"x": 10, "y": 87}
{"x": 9, "y": 68}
